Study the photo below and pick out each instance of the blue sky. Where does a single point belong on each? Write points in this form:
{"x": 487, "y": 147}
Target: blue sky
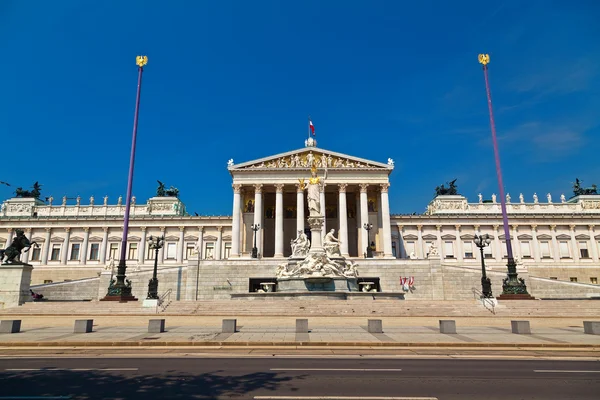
{"x": 236, "y": 79}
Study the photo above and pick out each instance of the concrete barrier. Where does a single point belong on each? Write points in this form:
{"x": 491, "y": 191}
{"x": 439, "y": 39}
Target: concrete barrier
{"x": 83, "y": 325}
{"x": 156, "y": 326}
{"x": 589, "y": 327}
{"x": 447, "y": 326}
{"x": 301, "y": 325}
{"x": 10, "y": 326}
{"x": 375, "y": 326}
{"x": 229, "y": 325}
{"x": 520, "y": 327}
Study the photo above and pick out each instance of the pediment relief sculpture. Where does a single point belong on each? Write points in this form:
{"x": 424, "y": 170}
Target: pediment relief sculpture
{"x": 306, "y": 159}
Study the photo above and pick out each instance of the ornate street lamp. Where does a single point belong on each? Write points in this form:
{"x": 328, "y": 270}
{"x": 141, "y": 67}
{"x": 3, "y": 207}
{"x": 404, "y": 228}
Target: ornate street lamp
{"x": 486, "y": 285}
{"x": 368, "y": 227}
{"x": 255, "y": 228}
{"x": 156, "y": 243}
{"x": 512, "y": 287}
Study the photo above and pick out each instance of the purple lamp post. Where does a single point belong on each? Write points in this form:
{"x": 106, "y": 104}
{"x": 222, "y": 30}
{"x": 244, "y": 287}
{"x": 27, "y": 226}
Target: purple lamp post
{"x": 512, "y": 287}
{"x": 121, "y": 289}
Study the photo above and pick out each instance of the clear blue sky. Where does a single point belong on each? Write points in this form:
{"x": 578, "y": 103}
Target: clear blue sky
{"x": 236, "y": 79}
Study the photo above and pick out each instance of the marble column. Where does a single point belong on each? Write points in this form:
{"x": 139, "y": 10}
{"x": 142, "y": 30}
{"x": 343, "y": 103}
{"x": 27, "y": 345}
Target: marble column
{"x": 459, "y": 244}
{"x": 555, "y": 248}
{"x": 84, "y": 247}
{"x": 103, "y": 246}
{"x": 46, "y": 249}
{"x": 65, "y": 247}
{"x": 343, "y": 218}
{"x": 200, "y": 242}
{"x": 385, "y": 220}
{"x": 299, "y": 208}
{"x": 181, "y": 245}
{"x": 420, "y": 252}
{"x": 10, "y": 238}
{"x": 401, "y": 249}
{"x": 535, "y": 246}
{"x": 574, "y": 243}
{"x": 438, "y": 240}
{"x": 142, "y": 249}
{"x": 279, "y": 220}
{"x": 25, "y": 256}
{"x": 258, "y": 200}
{"x": 593, "y": 244}
{"x": 364, "y": 217}
{"x": 161, "y": 251}
{"x": 497, "y": 243}
{"x": 516, "y": 244}
{"x": 219, "y": 244}
{"x": 235, "y": 228}
{"x": 323, "y": 210}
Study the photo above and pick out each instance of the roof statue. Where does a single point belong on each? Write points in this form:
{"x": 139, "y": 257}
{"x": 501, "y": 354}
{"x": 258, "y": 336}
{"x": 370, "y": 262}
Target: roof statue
{"x": 35, "y": 193}
{"x": 162, "y": 192}
{"x": 450, "y": 190}
{"x": 578, "y": 190}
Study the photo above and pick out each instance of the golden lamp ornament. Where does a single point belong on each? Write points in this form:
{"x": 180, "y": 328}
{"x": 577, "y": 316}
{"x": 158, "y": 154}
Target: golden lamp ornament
{"x": 140, "y": 61}
{"x": 484, "y": 59}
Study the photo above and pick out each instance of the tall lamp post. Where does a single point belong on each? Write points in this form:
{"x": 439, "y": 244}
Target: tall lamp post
{"x": 512, "y": 286}
{"x": 255, "y": 228}
{"x": 156, "y": 243}
{"x": 121, "y": 290}
{"x": 368, "y": 227}
{"x": 486, "y": 285}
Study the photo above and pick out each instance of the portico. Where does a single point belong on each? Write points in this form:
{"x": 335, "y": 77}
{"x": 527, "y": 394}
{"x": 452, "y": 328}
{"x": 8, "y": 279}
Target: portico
{"x": 270, "y": 192}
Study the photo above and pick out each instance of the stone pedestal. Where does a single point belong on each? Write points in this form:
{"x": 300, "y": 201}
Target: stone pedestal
{"x": 83, "y": 326}
{"x": 316, "y": 229}
{"x": 156, "y": 326}
{"x": 520, "y": 327}
{"x": 448, "y": 326}
{"x": 15, "y": 280}
{"x": 317, "y": 284}
{"x": 375, "y": 326}
{"x": 10, "y": 326}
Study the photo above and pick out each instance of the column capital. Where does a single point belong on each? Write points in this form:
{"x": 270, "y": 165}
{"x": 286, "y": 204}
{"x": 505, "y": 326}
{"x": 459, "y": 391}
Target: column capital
{"x": 363, "y": 187}
{"x": 236, "y": 187}
{"x": 553, "y": 227}
{"x": 279, "y": 188}
{"x": 162, "y": 228}
{"x": 419, "y": 227}
{"x": 457, "y": 226}
{"x": 400, "y": 228}
{"x": 143, "y": 228}
{"x": 342, "y": 187}
{"x": 200, "y": 229}
{"x": 476, "y": 227}
{"x": 591, "y": 227}
{"x": 515, "y": 227}
{"x": 68, "y": 230}
{"x": 534, "y": 227}
{"x": 27, "y": 230}
{"x": 384, "y": 187}
{"x": 9, "y": 230}
{"x": 438, "y": 227}
{"x": 219, "y": 228}
{"x": 49, "y": 229}
{"x": 258, "y": 188}
{"x": 181, "y": 228}
{"x": 572, "y": 227}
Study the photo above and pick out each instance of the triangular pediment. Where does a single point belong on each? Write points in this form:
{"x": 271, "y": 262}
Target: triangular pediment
{"x": 303, "y": 158}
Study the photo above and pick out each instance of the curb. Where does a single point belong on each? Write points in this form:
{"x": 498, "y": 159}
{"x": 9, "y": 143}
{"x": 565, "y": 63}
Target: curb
{"x": 297, "y": 344}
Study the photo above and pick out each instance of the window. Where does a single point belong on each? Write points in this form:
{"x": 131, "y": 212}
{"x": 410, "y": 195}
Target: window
{"x": 573, "y": 279}
{"x": 410, "y": 248}
{"x": 563, "y": 246}
{"x": 48, "y": 281}
{"x": 449, "y": 249}
{"x": 545, "y": 249}
{"x": 583, "y": 250}
{"x": 393, "y": 249}
{"x": 427, "y": 246}
{"x": 525, "y": 249}
{"x": 487, "y": 251}
{"x": 35, "y": 254}
{"x": 55, "y": 255}
{"x": 133, "y": 251}
{"x": 503, "y": 249}
{"x": 554, "y": 278}
{"x": 468, "y": 247}
{"x": 189, "y": 251}
{"x": 114, "y": 250}
{"x": 594, "y": 280}
{"x": 150, "y": 253}
{"x": 171, "y": 251}
{"x": 209, "y": 250}
{"x": 227, "y": 250}
{"x": 75, "y": 252}
{"x": 95, "y": 251}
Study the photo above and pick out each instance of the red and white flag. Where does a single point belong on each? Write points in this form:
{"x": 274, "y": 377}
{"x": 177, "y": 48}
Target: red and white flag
{"x": 311, "y": 127}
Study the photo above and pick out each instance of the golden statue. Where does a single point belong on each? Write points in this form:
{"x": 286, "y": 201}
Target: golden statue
{"x": 484, "y": 59}
{"x": 140, "y": 61}
{"x": 314, "y": 192}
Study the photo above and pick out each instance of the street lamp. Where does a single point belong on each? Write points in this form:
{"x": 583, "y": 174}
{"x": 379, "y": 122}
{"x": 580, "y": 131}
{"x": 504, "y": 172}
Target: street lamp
{"x": 486, "y": 285}
{"x": 368, "y": 227}
{"x": 255, "y": 228}
{"x": 156, "y": 243}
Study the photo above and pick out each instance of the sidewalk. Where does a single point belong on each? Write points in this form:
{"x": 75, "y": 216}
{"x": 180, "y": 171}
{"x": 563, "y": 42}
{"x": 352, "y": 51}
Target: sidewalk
{"x": 559, "y": 333}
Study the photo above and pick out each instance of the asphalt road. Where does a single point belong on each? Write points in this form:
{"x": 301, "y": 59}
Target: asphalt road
{"x": 280, "y": 378}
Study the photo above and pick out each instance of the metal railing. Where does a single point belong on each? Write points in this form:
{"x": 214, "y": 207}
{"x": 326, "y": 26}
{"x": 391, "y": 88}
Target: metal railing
{"x": 488, "y": 303}
{"x": 163, "y": 301}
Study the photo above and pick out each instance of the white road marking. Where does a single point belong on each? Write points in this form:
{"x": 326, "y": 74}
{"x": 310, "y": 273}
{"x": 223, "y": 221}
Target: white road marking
{"x": 71, "y": 369}
{"x": 337, "y": 369}
{"x": 564, "y": 370}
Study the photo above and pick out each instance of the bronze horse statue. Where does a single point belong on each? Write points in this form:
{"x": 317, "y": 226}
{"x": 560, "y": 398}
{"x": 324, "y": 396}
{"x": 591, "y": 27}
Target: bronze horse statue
{"x": 20, "y": 244}
{"x": 578, "y": 190}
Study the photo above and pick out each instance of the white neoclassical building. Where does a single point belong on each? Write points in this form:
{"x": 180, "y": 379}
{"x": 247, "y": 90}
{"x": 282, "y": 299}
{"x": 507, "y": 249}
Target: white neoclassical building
{"x": 556, "y": 240}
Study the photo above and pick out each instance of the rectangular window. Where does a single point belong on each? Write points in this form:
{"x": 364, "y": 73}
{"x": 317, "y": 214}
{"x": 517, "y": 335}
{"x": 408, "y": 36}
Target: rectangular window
{"x": 525, "y": 249}
{"x": 227, "y": 250}
{"x": 487, "y": 251}
{"x": 150, "y": 253}
{"x": 449, "y": 249}
{"x": 189, "y": 251}
{"x": 171, "y": 251}
{"x": 468, "y": 247}
{"x": 393, "y": 249}
{"x": 410, "y": 249}
{"x": 563, "y": 246}
{"x": 583, "y": 250}
{"x": 594, "y": 280}
{"x": 35, "y": 254}
{"x": 573, "y": 279}
{"x": 427, "y": 246}
{"x": 55, "y": 255}
{"x": 94, "y": 251}
{"x": 133, "y": 253}
{"x": 503, "y": 249}
{"x": 545, "y": 249}
{"x": 114, "y": 251}
{"x": 74, "y": 252}
{"x": 47, "y": 280}
{"x": 554, "y": 278}
{"x": 209, "y": 251}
